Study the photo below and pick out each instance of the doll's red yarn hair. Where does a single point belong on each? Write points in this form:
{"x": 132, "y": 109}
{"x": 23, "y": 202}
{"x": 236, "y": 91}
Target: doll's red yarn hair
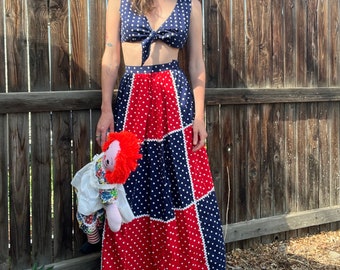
{"x": 127, "y": 157}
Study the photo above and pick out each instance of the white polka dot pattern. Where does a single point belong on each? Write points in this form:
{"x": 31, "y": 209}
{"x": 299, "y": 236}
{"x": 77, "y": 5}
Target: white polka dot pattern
{"x": 177, "y": 224}
{"x": 173, "y": 31}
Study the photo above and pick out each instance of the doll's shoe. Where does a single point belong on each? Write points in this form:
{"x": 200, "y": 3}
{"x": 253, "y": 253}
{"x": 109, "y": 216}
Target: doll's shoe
{"x": 88, "y": 248}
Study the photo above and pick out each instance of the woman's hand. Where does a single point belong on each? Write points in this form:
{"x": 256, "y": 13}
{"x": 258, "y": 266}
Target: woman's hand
{"x": 199, "y": 134}
{"x": 105, "y": 125}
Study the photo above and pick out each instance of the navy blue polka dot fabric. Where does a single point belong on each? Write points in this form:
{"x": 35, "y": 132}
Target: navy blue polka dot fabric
{"x": 174, "y": 31}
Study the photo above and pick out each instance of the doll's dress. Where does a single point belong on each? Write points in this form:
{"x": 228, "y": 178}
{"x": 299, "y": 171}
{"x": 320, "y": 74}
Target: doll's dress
{"x": 93, "y": 192}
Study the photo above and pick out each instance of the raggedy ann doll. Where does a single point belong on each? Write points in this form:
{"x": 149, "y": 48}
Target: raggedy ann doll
{"x": 99, "y": 187}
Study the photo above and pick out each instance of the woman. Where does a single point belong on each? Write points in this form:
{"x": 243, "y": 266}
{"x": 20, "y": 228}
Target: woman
{"x": 171, "y": 193}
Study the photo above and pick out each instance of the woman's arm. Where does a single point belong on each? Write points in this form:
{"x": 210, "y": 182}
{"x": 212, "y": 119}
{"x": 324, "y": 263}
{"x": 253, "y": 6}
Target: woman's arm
{"x": 197, "y": 74}
{"x": 110, "y": 66}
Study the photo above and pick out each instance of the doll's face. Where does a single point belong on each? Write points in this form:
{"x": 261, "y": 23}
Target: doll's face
{"x": 109, "y": 158}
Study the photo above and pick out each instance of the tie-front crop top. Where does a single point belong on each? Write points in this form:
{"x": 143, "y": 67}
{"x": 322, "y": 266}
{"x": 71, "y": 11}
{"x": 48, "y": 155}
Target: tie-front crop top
{"x": 173, "y": 31}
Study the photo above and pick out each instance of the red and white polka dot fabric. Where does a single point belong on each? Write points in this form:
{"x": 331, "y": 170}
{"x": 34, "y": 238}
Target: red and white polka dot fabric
{"x": 177, "y": 224}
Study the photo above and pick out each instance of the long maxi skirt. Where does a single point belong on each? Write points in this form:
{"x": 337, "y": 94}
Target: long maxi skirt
{"x": 177, "y": 224}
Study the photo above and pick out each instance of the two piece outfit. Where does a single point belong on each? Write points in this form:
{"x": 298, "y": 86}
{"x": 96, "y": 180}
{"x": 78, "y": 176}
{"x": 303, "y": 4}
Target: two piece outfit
{"x": 171, "y": 194}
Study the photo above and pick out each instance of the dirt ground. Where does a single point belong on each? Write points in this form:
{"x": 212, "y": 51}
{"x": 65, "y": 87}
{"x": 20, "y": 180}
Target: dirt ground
{"x": 320, "y": 251}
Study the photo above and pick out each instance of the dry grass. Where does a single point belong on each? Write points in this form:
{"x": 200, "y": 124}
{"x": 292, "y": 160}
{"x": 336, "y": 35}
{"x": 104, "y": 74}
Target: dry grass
{"x": 321, "y": 251}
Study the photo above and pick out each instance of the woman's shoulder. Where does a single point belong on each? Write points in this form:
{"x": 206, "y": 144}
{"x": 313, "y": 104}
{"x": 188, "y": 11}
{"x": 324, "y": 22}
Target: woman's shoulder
{"x": 196, "y": 4}
{"x": 113, "y": 6}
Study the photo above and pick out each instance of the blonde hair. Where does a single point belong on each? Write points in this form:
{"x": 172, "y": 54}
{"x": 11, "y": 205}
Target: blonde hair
{"x": 142, "y": 6}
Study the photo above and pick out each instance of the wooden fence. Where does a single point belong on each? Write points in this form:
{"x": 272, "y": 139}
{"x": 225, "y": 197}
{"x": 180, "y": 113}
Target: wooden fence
{"x": 273, "y": 110}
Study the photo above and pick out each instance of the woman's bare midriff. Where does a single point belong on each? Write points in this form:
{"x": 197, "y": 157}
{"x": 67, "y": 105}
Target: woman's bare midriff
{"x": 160, "y": 53}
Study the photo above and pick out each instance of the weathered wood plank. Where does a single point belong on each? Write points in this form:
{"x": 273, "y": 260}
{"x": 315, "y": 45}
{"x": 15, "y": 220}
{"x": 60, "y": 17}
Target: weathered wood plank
{"x": 238, "y": 46}
{"x": 264, "y": 96}
{"x": 264, "y": 70}
{"x": 334, "y": 46}
{"x": 312, "y": 161}
{"x": 301, "y": 43}
{"x": 277, "y": 8}
{"x": 91, "y": 99}
{"x": 61, "y": 131}
{"x": 19, "y": 186}
{"x": 215, "y": 152}
{"x": 323, "y": 40}
{"x": 266, "y": 178}
{"x": 291, "y": 158}
{"x": 226, "y": 70}
{"x": 312, "y": 43}
{"x": 278, "y": 162}
{"x": 60, "y": 67}
{"x": 88, "y": 262}
{"x": 324, "y": 129}
{"x": 50, "y": 101}
{"x": 97, "y": 30}
{"x": 97, "y": 36}
{"x": 265, "y": 170}
{"x": 41, "y": 188}
{"x": 40, "y": 135}
{"x": 96, "y": 18}
{"x": 281, "y": 223}
{"x": 212, "y": 45}
{"x": 82, "y": 155}
{"x": 277, "y": 138}
{"x": 18, "y": 137}
{"x": 238, "y": 178}
{"x": 334, "y": 166}
{"x": 251, "y": 43}
{"x": 253, "y": 169}
{"x": 4, "y": 192}
{"x": 80, "y": 73}
{"x": 229, "y": 175}
{"x": 79, "y": 42}
{"x": 240, "y": 155}
{"x": 333, "y": 124}
{"x": 227, "y": 147}
{"x": 2, "y": 49}
{"x": 290, "y": 43}
{"x": 62, "y": 174}
{"x": 302, "y": 160}
{"x": 253, "y": 164}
